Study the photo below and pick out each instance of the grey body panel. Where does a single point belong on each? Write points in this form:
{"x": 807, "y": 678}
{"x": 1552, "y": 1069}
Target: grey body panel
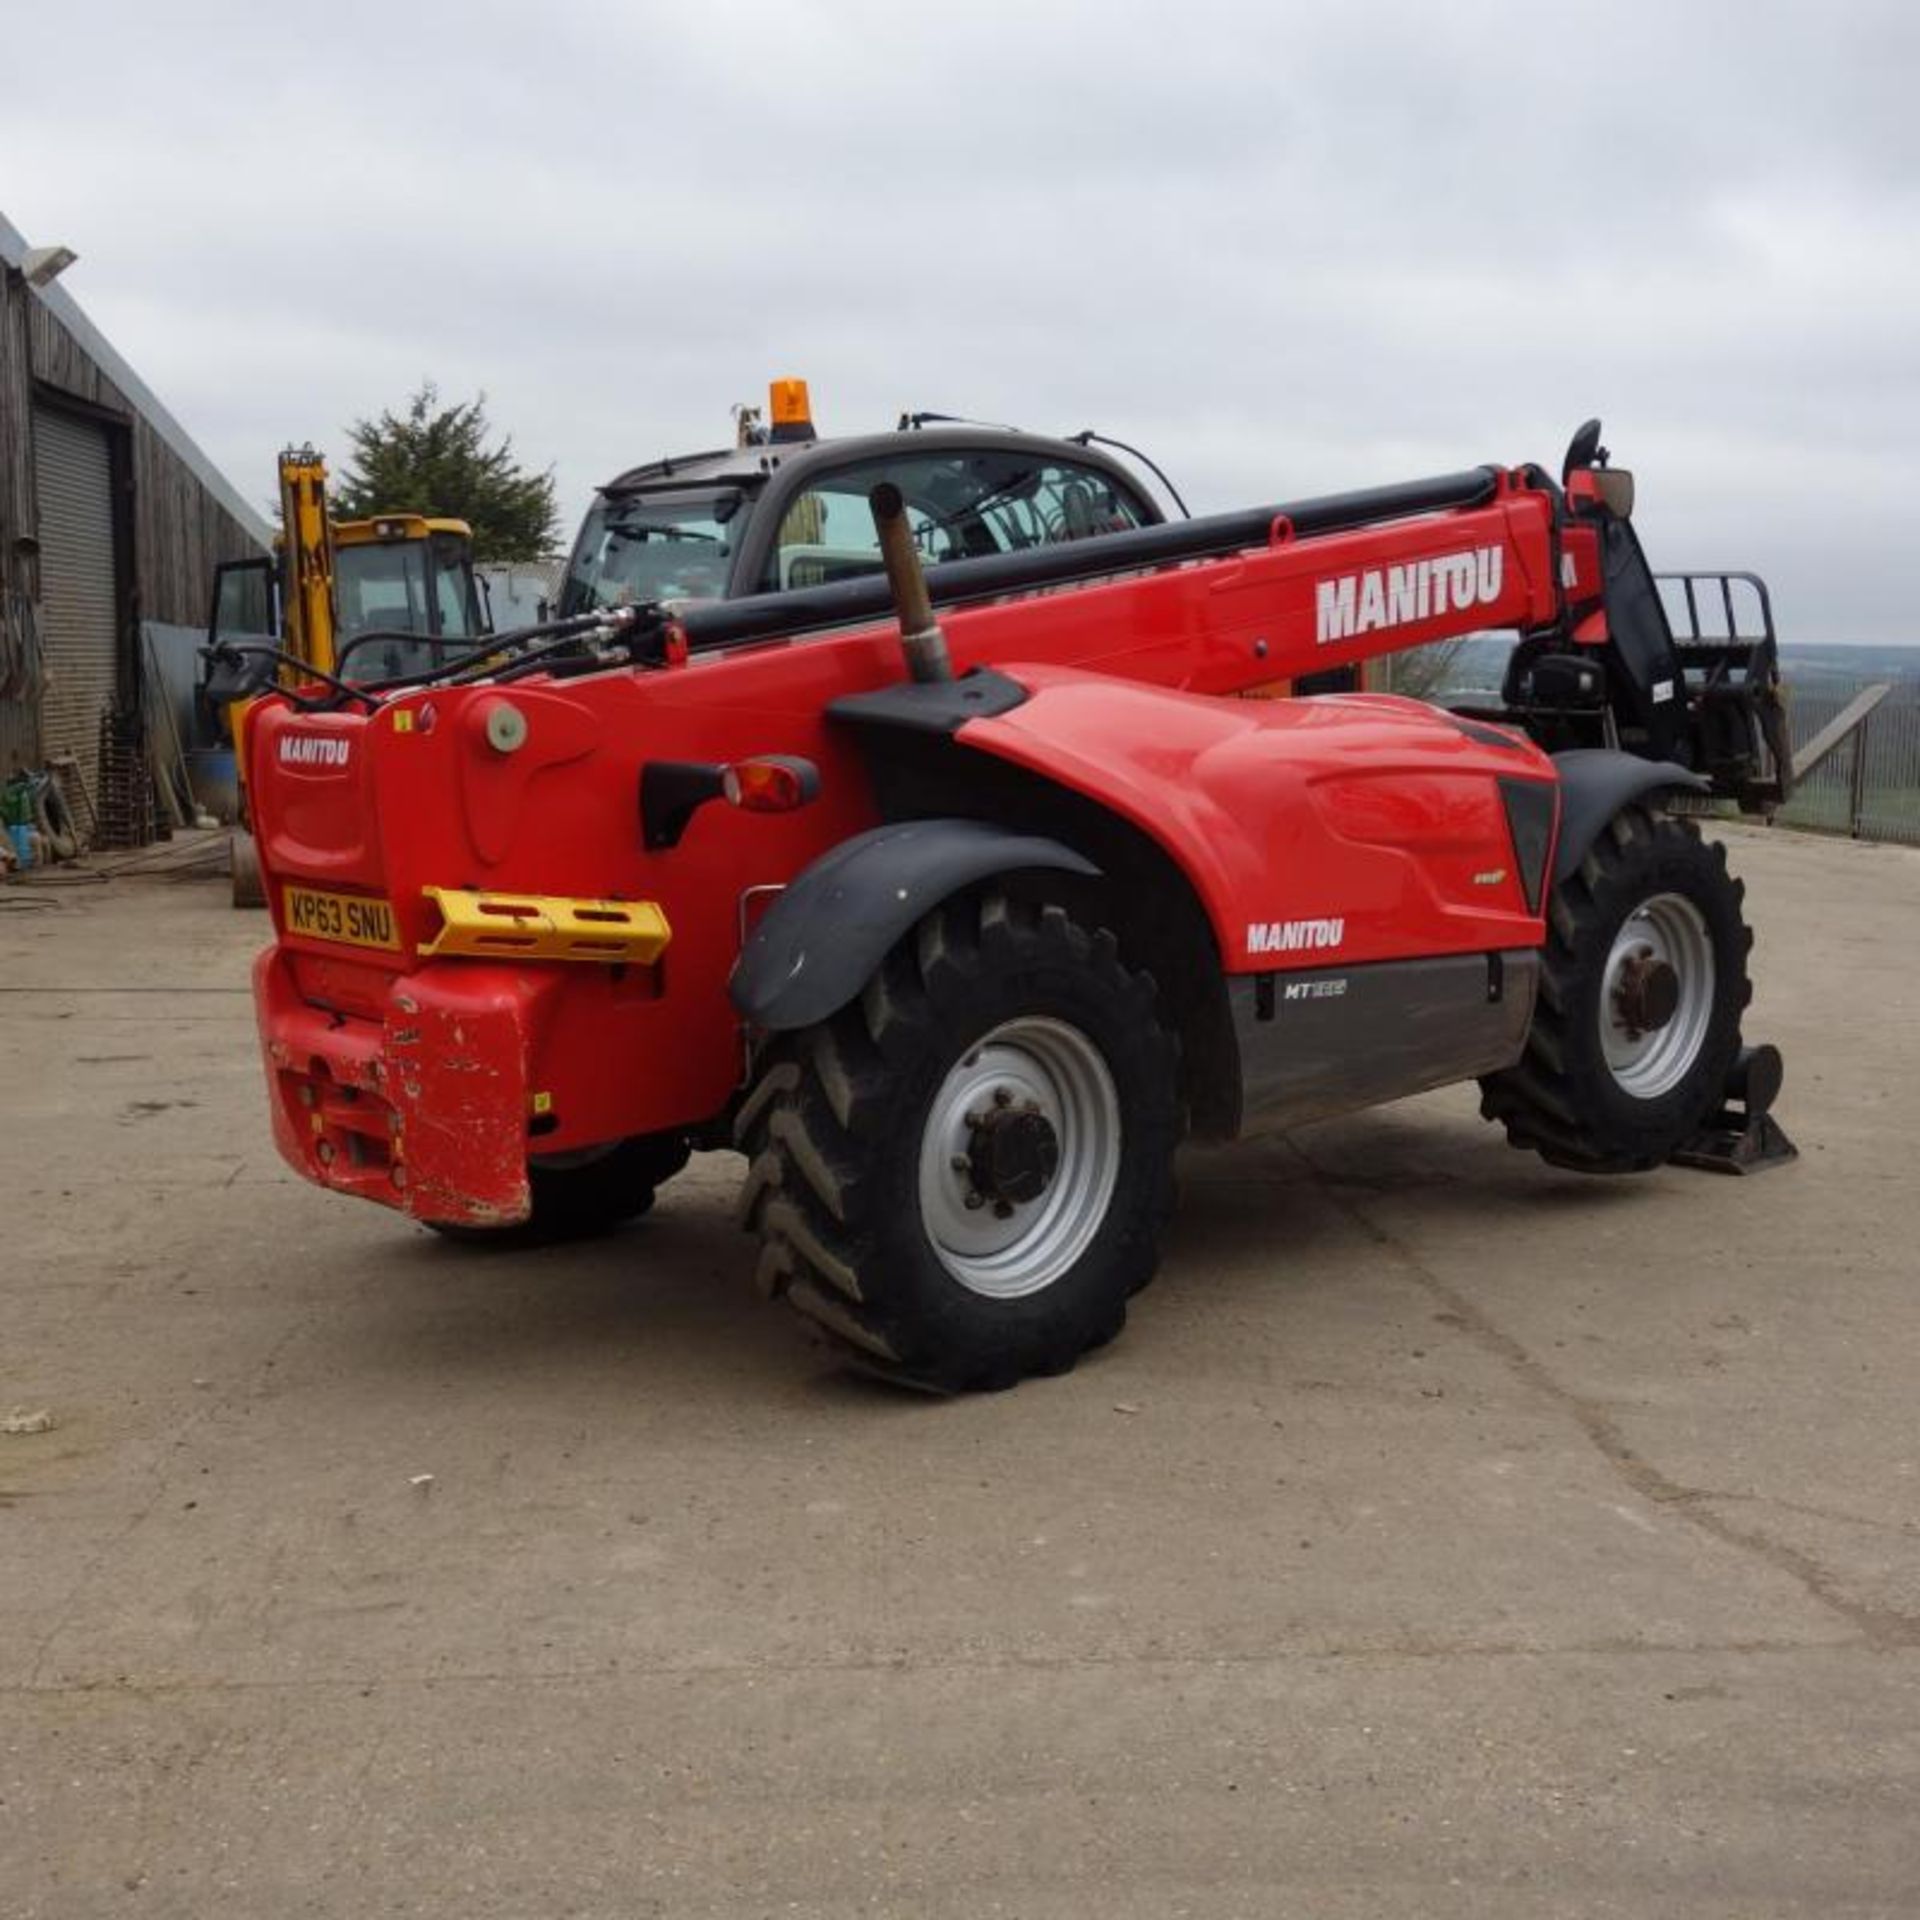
{"x": 826, "y": 935}
{"x": 1341, "y": 1038}
{"x": 1595, "y": 783}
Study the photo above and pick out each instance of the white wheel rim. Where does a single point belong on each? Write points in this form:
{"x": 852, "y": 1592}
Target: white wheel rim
{"x": 1032, "y": 1065}
{"x": 1667, "y": 929}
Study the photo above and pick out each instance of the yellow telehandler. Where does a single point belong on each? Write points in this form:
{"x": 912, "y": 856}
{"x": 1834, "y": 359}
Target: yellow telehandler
{"x": 397, "y": 592}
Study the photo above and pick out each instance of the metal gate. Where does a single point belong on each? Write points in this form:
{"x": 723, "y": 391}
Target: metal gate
{"x": 79, "y": 598}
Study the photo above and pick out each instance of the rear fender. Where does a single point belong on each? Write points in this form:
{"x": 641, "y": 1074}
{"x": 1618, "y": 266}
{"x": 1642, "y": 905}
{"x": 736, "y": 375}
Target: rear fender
{"x": 827, "y": 934}
{"x": 1595, "y": 783}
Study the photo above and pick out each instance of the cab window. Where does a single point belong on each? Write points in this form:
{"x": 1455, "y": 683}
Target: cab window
{"x": 961, "y": 506}
{"x": 243, "y": 601}
{"x": 380, "y": 584}
{"x": 452, "y": 588}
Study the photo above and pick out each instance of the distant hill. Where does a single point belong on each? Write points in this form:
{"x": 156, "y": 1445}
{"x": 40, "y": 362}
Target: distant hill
{"x": 1478, "y": 664}
{"x": 1802, "y": 661}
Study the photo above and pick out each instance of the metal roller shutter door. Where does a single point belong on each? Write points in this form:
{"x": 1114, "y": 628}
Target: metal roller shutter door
{"x": 79, "y": 611}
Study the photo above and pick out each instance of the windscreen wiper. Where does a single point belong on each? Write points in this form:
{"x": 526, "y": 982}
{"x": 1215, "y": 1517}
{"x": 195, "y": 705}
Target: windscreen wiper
{"x": 644, "y": 534}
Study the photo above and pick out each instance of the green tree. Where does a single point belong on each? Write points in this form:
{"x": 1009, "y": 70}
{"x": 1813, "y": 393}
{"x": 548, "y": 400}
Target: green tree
{"x": 435, "y": 459}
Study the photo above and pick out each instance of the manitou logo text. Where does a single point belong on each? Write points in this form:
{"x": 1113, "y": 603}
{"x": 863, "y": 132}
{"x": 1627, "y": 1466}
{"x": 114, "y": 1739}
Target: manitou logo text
{"x": 1356, "y": 603}
{"x": 1295, "y": 936}
{"x": 313, "y": 750}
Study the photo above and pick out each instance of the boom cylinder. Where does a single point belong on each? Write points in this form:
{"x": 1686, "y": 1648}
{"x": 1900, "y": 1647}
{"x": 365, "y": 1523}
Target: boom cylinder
{"x": 921, "y": 639}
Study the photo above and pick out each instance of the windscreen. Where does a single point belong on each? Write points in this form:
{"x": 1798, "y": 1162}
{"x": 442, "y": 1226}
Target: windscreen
{"x": 403, "y": 585}
{"x": 381, "y": 584}
{"x": 636, "y": 548}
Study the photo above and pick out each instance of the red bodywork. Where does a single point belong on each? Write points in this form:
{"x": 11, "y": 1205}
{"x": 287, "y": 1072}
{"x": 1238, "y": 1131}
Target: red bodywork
{"x": 426, "y": 1084}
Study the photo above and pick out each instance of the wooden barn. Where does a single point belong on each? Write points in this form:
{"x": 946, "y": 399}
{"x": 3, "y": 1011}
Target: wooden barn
{"x": 111, "y": 523}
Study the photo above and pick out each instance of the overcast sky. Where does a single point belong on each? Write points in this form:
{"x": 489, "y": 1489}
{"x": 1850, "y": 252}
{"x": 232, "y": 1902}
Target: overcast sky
{"x": 1288, "y": 248}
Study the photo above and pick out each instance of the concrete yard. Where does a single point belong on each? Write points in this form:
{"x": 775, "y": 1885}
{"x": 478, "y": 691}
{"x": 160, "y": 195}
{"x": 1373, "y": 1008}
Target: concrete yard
{"x": 1447, "y": 1536}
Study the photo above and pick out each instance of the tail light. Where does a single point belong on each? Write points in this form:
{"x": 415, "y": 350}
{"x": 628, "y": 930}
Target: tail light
{"x": 776, "y": 783}
{"x": 673, "y": 791}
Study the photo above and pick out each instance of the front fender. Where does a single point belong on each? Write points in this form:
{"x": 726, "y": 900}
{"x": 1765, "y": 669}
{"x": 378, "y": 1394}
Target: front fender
{"x": 1335, "y": 830}
{"x": 1595, "y": 783}
{"x": 825, "y": 936}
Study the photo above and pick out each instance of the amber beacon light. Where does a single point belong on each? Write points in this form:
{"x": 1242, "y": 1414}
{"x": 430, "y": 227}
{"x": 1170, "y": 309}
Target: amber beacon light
{"x": 789, "y": 411}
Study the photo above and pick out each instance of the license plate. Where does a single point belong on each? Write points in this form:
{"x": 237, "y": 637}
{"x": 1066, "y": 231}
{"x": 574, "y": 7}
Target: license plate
{"x": 346, "y": 917}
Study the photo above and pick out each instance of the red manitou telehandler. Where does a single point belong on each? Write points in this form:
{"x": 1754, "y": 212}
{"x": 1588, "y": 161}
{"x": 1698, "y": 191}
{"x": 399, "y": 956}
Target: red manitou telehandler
{"x": 891, "y": 810}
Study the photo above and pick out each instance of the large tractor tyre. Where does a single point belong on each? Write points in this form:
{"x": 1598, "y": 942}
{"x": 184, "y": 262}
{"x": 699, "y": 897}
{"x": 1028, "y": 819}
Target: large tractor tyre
{"x": 960, "y": 1178}
{"x": 1642, "y": 985}
{"x": 576, "y": 1199}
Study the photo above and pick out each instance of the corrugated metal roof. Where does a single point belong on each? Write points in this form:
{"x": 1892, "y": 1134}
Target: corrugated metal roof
{"x": 67, "y": 310}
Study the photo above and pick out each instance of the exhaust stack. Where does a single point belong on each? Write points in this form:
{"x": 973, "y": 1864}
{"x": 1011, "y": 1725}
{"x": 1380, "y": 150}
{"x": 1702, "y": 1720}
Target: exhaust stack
{"x": 921, "y": 638}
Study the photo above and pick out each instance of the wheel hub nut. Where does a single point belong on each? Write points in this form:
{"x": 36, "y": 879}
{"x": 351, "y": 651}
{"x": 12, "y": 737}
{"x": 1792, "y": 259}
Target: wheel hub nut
{"x": 1012, "y": 1156}
{"x": 1646, "y": 995}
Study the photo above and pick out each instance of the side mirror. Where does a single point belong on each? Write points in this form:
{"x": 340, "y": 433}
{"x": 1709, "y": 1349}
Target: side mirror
{"x": 1608, "y": 490}
{"x": 1613, "y": 486}
{"x": 237, "y": 673}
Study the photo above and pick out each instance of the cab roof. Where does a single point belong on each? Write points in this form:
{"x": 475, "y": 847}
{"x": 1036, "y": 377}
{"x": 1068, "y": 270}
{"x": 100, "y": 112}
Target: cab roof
{"x": 750, "y": 468}
{"x": 374, "y": 528}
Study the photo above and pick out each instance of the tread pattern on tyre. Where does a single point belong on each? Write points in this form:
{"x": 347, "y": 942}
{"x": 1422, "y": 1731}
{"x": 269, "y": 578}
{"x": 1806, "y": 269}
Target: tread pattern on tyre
{"x": 823, "y": 1099}
{"x": 1553, "y": 1102}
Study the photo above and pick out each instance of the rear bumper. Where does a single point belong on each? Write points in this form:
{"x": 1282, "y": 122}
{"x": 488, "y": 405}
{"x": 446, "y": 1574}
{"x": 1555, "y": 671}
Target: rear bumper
{"x": 425, "y": 1109}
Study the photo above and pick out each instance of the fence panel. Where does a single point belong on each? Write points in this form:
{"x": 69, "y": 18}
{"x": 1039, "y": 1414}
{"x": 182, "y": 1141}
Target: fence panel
{"x": 1879, "y": 766}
